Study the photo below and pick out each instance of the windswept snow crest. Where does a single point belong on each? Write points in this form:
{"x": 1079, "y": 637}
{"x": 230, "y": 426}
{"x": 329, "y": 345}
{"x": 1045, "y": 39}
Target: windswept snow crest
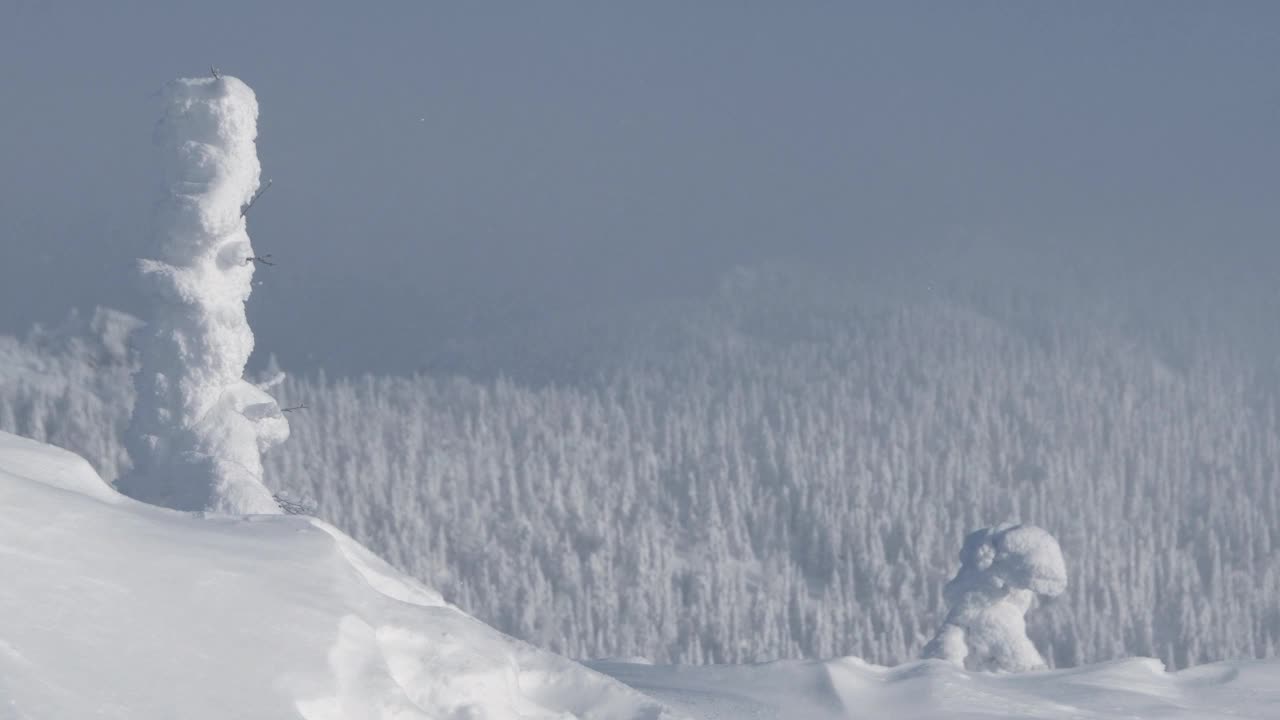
{"x": 847, "y": 688}
{"x": 111, "y": 608}
{"x": 198, "y": 427}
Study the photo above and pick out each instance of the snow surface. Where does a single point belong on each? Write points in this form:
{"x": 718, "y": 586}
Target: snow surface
{"x": 111, "y": 608}
{"x": 198, "y": 427}
{"x": 848, "y": 688}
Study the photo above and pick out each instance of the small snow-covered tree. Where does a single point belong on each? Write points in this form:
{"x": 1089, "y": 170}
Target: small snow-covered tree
{"x": 1002, "y": 569}
{"x": 198, "y": 428}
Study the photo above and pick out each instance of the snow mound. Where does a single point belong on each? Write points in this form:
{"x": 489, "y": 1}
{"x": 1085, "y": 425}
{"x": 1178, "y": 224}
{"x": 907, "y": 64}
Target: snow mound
{"x": 110, "y": 608}
{"x": 1135, "y": 689}
{"x": 37, "y": 462}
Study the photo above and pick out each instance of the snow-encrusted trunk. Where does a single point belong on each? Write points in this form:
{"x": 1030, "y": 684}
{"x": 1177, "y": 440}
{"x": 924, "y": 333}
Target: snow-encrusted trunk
{"x": 198, "y": 428}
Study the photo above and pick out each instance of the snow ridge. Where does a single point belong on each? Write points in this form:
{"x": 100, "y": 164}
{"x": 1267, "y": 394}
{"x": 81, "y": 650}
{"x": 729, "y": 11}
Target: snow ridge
{"x": 111, "y": 608}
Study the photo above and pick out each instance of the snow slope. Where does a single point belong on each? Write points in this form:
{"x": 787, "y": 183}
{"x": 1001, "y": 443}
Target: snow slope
{"x": 110, "y": 608}
{"x": 935, "y": 689}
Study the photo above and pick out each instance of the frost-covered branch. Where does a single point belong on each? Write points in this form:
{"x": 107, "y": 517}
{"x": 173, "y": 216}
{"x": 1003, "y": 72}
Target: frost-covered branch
{"x": 261, "y": 191}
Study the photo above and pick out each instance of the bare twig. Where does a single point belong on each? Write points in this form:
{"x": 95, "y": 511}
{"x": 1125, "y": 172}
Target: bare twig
{"x": 295, "y": 407}
{"x": 215, "y": 72}
{"x": 294, "y": 507}
{"x": 260, "y": 259}
{"x": 261, "y": 191}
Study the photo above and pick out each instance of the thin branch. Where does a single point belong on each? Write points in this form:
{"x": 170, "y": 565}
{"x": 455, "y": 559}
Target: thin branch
{"x": 295, "y": 407}
{"x": 260, "y": 259}
{"x": 294, "y": 507}
{"x": 261, "y": 191}
{"x": 215, "y": 72}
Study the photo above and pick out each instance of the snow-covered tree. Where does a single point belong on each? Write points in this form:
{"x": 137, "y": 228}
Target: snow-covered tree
{"x": 198, "y": 427}
{"x": 1002, "y": 569}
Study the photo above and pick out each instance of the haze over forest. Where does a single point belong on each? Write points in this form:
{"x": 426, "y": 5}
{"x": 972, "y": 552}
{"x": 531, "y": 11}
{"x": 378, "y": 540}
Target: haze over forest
{"x": 448, "y": 177}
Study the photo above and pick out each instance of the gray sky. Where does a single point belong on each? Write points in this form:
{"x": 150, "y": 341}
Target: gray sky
{"x": 440, "y": 167}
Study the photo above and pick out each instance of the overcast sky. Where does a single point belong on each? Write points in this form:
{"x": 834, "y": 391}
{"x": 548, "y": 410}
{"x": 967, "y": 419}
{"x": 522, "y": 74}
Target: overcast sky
{"x": 438, "y": 165}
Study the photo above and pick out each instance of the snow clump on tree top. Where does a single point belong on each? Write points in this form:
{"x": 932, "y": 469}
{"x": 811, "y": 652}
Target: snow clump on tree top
{"x": 1002, "y": 569}
{"x": 198, "y": 428}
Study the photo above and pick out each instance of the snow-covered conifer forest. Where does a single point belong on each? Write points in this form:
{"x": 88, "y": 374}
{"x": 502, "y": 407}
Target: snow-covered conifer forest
{"x": 786, "y": 469}
{"x": 639, "y": 362}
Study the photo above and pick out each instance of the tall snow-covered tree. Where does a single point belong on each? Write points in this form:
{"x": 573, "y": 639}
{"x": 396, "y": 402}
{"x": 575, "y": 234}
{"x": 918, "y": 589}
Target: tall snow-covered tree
{"x": 198, "y": 428}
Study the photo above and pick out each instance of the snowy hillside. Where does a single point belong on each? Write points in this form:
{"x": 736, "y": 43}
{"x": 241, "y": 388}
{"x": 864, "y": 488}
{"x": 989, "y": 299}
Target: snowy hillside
{"x": 110, "y": 608}
{"x": 114, "y": 609}
{"x": 781, "y": 479}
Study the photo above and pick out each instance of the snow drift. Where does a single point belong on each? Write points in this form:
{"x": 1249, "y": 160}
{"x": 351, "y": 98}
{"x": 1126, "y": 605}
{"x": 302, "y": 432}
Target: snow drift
{"x": 198, "y": 428}
{"x": 111, "y": 608}
{"x": 841, "y": 689}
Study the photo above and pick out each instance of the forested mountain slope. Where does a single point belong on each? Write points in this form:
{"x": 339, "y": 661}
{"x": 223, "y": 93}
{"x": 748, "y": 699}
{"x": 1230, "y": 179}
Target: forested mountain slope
{"x": 782, "y": 473}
